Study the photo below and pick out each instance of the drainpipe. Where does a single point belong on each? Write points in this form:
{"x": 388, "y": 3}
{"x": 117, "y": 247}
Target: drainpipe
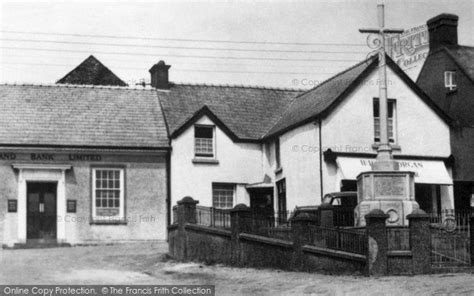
{"x": 168, "y": 191}
{"x": 320, "y": 160}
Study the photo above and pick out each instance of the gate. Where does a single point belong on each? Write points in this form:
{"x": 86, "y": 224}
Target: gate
{"x": 450, "y": 239}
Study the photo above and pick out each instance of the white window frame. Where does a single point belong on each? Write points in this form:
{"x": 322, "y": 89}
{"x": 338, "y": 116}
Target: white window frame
{"x": 121, "y": 216}
{"x": 450, "y": 80}
{"x": 203, "y": 155}
{"x": 393, "y": 139}
{"x": 233, "y": 194}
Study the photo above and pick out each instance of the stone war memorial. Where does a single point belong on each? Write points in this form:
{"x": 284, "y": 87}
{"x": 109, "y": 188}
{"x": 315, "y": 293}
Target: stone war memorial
{"x": 385, "y": 187}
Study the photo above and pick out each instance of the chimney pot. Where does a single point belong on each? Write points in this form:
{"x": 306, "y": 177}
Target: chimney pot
{"x": 443, "y": 30}
{"x": 159, "y": 75}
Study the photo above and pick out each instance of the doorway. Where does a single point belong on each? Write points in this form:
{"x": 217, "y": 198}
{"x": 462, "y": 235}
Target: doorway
{"x": 41, "y": 211}
{"x": 261, "y": 201}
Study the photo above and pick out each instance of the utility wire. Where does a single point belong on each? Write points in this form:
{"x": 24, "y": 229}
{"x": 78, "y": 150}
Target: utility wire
{"x": 181, "y": 47}
{"x": 181, "y": 56}
{"x": 178, "y": 69}
{"x": 181, "y": 39}
{"x": 175, "y": 64}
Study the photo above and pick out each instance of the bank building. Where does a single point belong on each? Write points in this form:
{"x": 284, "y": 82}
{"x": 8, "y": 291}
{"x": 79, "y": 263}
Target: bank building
{"x": 80, "y": 162}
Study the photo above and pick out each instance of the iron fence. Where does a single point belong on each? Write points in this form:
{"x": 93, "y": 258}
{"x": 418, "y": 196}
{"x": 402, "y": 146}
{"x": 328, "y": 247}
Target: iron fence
{"x": 348, "y": 240}
{"x": 343, "y": 217}
{"x": 212, "y": 217}
{"x": 398, "y": 238}
{"x": 449, "y": 248}
{"x": 275, "y": 225}
{"x": 453, "y": 219}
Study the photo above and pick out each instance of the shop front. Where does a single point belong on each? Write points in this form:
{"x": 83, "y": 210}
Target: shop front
{"x": 433, "y": 183}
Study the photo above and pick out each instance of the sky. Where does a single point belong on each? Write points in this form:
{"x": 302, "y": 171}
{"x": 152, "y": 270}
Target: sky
{"x": 285, "y": 44}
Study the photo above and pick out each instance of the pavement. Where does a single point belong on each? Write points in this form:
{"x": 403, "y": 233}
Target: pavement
{"x": 147, "y": 263}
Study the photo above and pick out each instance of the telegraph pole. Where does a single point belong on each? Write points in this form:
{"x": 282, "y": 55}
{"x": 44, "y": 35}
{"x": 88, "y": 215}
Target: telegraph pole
{"x": 384, "y": 160}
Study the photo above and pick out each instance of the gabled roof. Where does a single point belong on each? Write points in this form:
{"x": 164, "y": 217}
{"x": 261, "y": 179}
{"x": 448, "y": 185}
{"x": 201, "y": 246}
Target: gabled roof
{"x": 321, "y": 100}
{"x": 312, "y": 103}
{"x": 59, "y": 115}
{"x": 457, "y": 103}
{"x": 91, "y": 72}
{"x": 463, "y": 56}
{"x": 244, "y": 113}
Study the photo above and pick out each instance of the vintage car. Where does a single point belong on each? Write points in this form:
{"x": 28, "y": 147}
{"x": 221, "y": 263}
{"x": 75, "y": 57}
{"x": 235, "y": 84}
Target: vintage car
{"x": 336, "y": 209}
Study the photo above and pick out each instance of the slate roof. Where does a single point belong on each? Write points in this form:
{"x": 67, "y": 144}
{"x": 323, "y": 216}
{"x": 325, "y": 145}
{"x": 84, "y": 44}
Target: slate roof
{"x": 464, "y": 58}
{"x": 458, "y": 103}
{"x": 321, "y": 100}
{"x": 312, "y": 103}
{"x": 91, "y": 72}
{"x": 247, "y": 113}
{"x": 81, "y": 116}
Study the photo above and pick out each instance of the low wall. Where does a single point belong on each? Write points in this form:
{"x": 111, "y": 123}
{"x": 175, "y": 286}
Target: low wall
{"x": 237, "y": 246}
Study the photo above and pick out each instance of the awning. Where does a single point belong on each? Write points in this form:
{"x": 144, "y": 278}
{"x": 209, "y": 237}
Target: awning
{"x": 259, "y": 185}
{"x": 426, "y": 171}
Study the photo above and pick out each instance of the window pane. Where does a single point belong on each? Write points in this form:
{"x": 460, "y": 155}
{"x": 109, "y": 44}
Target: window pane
{"x": 107, "y": 193}
{"x": 223, "y": 195}
{"x": 376, "y": 108}
{"x": 203, "y": 132}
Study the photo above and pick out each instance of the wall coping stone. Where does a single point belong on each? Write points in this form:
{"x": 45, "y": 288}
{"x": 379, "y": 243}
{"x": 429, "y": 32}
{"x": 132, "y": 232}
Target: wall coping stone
{"x": 240, "y": 208}
{"x": 266, "y": 240}
{"x": 207, "y": 229}
{"x": 400, "y": 253}
{"x": 334, "y": 253}
{"x": 187, "y": 200}
{"x": 172, "y": 226}
{"x": 418, "y": 214}
{"x": 376, "y": 213}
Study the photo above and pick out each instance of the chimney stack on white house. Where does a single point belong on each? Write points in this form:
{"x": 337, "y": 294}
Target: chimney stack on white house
{"x": 443, "y": 30}
{"x": 159, "y": 75}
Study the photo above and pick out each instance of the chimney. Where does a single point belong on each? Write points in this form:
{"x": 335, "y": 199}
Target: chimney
{"x": 443, "y": 30}
{"x": 159, "y": 75}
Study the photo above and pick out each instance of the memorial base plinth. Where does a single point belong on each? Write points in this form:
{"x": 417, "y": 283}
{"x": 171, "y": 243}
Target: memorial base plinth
{"x": 393, "y": 192}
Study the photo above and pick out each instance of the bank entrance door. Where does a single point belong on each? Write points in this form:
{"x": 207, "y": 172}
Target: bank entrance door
{"x": 41, "y": 211}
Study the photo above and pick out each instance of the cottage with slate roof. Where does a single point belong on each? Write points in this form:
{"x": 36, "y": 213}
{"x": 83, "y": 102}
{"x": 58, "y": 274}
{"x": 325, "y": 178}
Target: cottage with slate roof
{"x": 447, "y": 77}
{"x": 277, "y": 149}
{"x": 81, "y": 164}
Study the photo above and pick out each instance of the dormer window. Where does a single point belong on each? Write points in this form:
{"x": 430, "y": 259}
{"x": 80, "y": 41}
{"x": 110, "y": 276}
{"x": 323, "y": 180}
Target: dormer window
{"x": 204, "y": 141}
{"x": 450, "y": 80}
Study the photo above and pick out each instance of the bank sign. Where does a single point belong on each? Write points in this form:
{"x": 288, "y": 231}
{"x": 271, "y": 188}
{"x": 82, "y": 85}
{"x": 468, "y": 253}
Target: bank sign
{"x": 426, "y": 171}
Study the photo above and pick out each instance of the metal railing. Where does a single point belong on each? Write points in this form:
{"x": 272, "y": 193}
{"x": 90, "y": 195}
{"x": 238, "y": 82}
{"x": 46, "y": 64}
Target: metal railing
{"x": 398, "y": 238}
{"x": 343, "y": 217}
{"x": 347, "y": 240}
{"x": 212, "y": 217}
{"x": 457, "y": 220}
{"x": 275, "y": 225}
{"x": 449, "y": 248}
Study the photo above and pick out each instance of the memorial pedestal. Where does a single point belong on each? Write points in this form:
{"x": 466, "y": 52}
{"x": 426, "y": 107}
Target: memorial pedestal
{"x": 393, "y": 192}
